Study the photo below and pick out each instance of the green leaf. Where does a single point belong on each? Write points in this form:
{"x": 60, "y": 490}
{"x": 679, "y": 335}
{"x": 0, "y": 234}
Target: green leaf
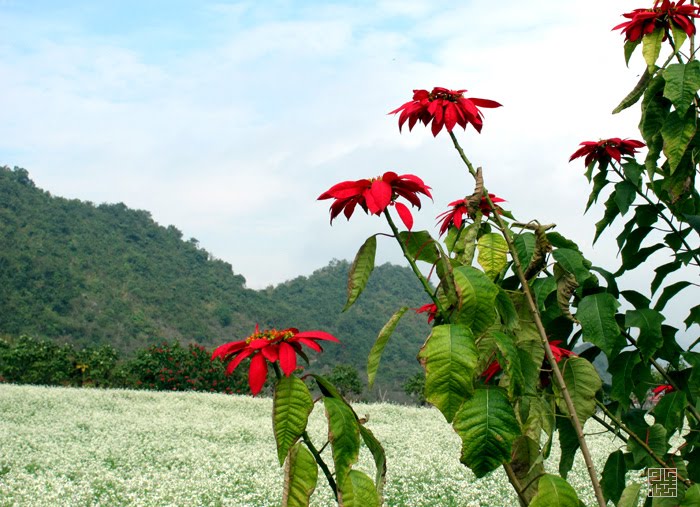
{"x": 655, "y": 438}
{"x": 661, "y": 273}
{"x": 357, "y": 490}
{"x": 693, "y": 317}
{"x": 449, "y": 357}
{"x": 625, "y": 192}
{"x": 553, "y": 491}
{"x": 613, "y": 478}
{"x": 568, "y": 443}
{"x": 510, "y": 362}
{"x": 630, "y": 46}
{"x": 692, "y": 497}
{"x": 525, "y": 247}
{"x": 493, "y": 251}
{"x": 630, "y": 496}
{"x": 559, "y": 241}
{"x": 637, "y": 92}
{"x": 651, "y": 48}
{"x": 477, "y": 299}
{"x": 694, "y": 222}
{"x": 669, "y": 292}
{"x": 638, "y": 300}
{"x": 360, "y": 270}
{"x": 300, "y": 476}
{"x": 679, "y": 37}
{"x": 596, "y": 313}
{"x": 379, "y": 458}
{"x": 669, "y": 411}
{"x": 420, "y": 245}
{"x": 622, "y": 368}
{"x": 343, "y": 434}
{"x": 655, "y": 109}
{"x": 682, "y": 83}
{"x": 573, "y": 262}
{"x": 506, "y": 310}
{"x": 375, "y": 355}
{"x": 582, "y": 382}
{"x": 677, "y": 133}
{"x": 291, "y": 407}
{"x": 541, "y": 288}
{"x": 487, "y": 426}
{"x": 633, "y": 172}
{"x": 649, "y": 323}
{"x": 447, "y": 281}
{"x": 527, "y": 462}
{"x": 600, "y": 181}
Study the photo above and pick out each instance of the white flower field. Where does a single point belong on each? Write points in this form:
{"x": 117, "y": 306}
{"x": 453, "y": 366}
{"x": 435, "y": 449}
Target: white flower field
{"x": 89, "y": 447}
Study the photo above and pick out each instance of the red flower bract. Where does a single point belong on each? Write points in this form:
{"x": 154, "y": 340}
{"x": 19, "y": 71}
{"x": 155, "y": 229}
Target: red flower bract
{"x": 460, "y": 208}
{"x": 430, "y": 309}
{"x": 375, "y": 195}
{"x": 662, "y": 389}
{"x": 269, "y": 345}
{"x": 446, "y": 108}
{"x": 494, "y": 367}
{"x": 645, "y": 21}
{"x": 606, "y": 149}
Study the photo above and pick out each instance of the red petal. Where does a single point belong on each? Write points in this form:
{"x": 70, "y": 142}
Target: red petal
{"x": 258, "y": 343}
{"x": 288, "y": 358}
{"x": 405, "y": 215}
{"x": 310, "y": 343}
{"x": 228, "y": 348}
{"x": 271, "y": 353}
{"x": 317, "y": 335}
{"x": 257, "y": 374}
{"x": 235, "y": 362}
{"x": 378, "y": 196}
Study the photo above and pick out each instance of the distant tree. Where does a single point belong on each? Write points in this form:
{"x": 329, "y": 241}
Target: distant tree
{"x": 415, "y": 387}
{"x": 346, "y": 379}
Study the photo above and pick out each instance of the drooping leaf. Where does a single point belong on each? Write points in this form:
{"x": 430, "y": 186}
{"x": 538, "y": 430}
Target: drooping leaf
{"x": 693, "y": 316}
{"x": 651, "y": 48}
{"x": 357, "y": 490}
{"x": 449, "y": 357}
{"x": 613, "y": 478}
{"x": 655, "y": 109}
{"x": 447, "y": 281}
{"x": 622, "y": 370}
{"x": 477, "y": 296}
{"x": 655, "y": 438}
{"x": 625, "y": 192}
{"x": 553, "y": 491}
{"x": 596, "y": 313}
{"x": 566, "y": 285}
{"x": 525, "y": 247}
{"x": 506, "y": 310}
{"x": 291, "y": 407}
{"x": 573, "y": 262}
{"x": 361, "y": 268}
{"x": 375, "y": 447}
{"x": 541, "y": 288}
{"x": 527, "y": 463}
{"x": 343, "y": 434}
{"x": 669, "y": 292}
{"x": 682, "y": 83}
{"x": 375, "y": 355}
{"x": 679, "y": 36}
{"x": 694, "y": 222}
{"x": 568, "y": 443}
{"x": 639, "y": 89}
{"x": 583, "y": 382}
{"x": 531, "y": 356}
{"x": 487, "y": 426}
{"x": 669, "y": 411}
{"x": 420, "y": 245}
{"x": 633, "y": 172}
{"x": 600, "y": 181}
{"x": 510, "y": 362}
{"x": 677, "y": 133}
{"x": 609, "y": 279}
{"x": 630, "y": 46}
{"x": 638, "y": 300}
{"x": 630, "y": 496}
{"x": 300, "y": 476}
{"x": 492, "y": 254}
{"x": 649, "y": 323}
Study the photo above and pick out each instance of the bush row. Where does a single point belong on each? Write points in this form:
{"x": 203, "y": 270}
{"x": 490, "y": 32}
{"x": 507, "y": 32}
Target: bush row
{"x": 168, "y": 366}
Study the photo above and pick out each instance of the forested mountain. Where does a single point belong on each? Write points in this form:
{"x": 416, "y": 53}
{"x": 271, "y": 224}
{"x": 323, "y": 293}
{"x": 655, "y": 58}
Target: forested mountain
{"x": 105, "y": 274}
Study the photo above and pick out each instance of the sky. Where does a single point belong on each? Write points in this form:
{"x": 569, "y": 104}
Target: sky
{"x": 228, "y": 119}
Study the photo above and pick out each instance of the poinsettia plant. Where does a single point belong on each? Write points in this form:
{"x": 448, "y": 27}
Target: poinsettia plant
{"x": 510, "y": 300}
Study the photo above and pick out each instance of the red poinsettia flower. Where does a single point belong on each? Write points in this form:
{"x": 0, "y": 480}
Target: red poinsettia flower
{"x": 493, "y": 368}
{"x": 662, "y": 389}
{"x": 445, "y": 108}
{"x": 376, "y": 194}
{"x": 459, "y": 209}
{"x": 269, "y": 345}
{"x": 490, "y": 371}
{"x": 430, "y": 309}
{"x": 606, "y": 149}
{"x": 645, "y": 21}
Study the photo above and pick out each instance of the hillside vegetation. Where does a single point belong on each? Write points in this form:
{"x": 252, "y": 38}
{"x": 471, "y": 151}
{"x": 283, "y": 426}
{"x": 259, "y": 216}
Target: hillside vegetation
{"x": 91, "y": 275}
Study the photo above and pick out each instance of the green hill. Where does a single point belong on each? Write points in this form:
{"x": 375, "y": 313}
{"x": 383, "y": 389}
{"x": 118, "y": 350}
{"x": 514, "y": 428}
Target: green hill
{"x": 105, "y": 274}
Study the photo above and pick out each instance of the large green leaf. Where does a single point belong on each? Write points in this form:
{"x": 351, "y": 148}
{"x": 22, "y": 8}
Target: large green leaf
{"x": 692, "y": 497}
{"x": 661, "y": 273}
{"x": 568, "y": 443}
{"x": 477, "y": 296}
{"x": 449, "y": 357}
{"x": 357, "y": 490}
{"x": 655, "y": 437}
{"x": 623, "y": 369}
{"x": 300, "y": 476}
{"x": 525, "y": 247}
{"x": 506, "y": 310}
{"x": 649, "y": 323}
{"x": 613, "y": 478}
{"x": 375, "y": 354}
{"x": 596, "y": 313}
{"x": 611, "y": 212}
{"x": 487, "y": 426}
{"x": 670, "y": 411}
{"x": 379, "y": 458}
{"x": 682, "y": 83}
{"x": 677, "y": 133}
{"x": 526, "y": 463}
{"x": 651, "y": 48}
{"x": 553, "y": 491}
{"x": 669, "y": 292}
{"x": 420, "y": 245}
{"x": 583, "y": 382}
{"x": 573, "y": 262}
{"x": 360, "y": 270}
{"x": 510, "y": 362}
{"x": 493, "y": 251}
{"x": 630, "y": 496}
{"x": 291, "y": 407}
{"x": 625, "y": 192}
{"x": 343, "y": 434}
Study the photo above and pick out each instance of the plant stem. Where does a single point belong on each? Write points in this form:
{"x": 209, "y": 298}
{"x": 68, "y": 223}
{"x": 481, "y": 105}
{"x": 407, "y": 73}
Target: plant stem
{"x": 515, "y": 483}
{"x": 534, "y": 312}
{"x": 321, "y": 463}
{"x": 612, "y": 430}
{"x": 639, "y": 441}
{"x": 414, "y": 266}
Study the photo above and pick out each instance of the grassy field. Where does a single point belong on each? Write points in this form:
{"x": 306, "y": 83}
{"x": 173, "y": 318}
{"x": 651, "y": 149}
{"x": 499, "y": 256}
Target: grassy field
{"x": 86, "y": 447}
